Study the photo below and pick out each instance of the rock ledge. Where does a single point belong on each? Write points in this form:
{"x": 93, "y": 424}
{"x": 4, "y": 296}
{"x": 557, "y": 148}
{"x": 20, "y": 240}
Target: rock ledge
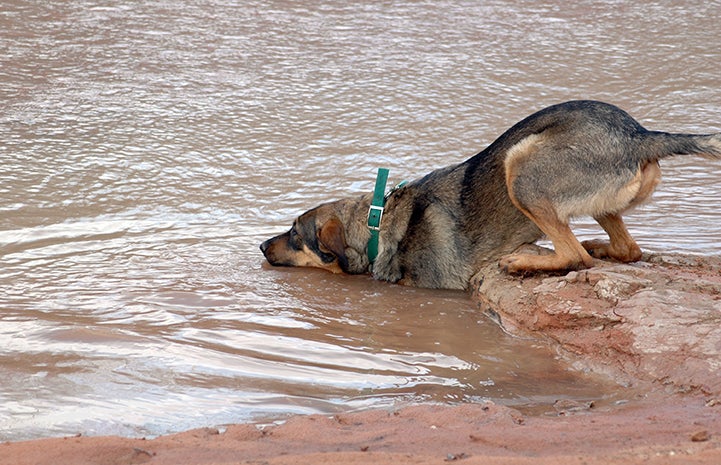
{"x": 655, "y": 321}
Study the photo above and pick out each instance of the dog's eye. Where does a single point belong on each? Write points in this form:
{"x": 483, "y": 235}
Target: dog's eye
{"x": 295, "y": 240}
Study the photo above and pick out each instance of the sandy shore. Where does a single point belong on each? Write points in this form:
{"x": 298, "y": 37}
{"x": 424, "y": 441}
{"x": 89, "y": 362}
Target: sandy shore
{"x": 655, "y": 325}
{"x": 657, "y": 430}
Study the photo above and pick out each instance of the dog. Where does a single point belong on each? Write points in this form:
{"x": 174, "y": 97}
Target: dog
{"x": 571, "y": 159}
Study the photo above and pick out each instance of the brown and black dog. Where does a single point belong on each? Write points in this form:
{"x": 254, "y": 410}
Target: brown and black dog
{"x": 571, "y": 159}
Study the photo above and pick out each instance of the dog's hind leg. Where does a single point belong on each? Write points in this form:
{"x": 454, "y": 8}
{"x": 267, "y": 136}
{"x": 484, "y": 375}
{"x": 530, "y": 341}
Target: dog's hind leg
{"x": 569, "y": 253}
{"x": 622, "y": 246}
{"x": 526, "y": 169}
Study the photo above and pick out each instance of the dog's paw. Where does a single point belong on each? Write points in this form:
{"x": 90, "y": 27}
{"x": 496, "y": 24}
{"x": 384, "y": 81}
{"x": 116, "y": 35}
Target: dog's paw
{"x": 624, "y": 252}
{"x": 597, "y": 248}
{"x": 512, "y": 264}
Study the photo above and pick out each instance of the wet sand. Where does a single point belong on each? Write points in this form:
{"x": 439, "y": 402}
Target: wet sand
{"x": 659, "y": 429}
{"x": 676, "y": 420}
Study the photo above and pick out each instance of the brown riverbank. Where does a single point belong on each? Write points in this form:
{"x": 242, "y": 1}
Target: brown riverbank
{"x": 658, "y": 430}
{"x": 655, "y": 325}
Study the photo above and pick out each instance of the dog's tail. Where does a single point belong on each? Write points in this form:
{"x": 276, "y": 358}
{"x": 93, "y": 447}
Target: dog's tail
{"x": 663, "y": 144}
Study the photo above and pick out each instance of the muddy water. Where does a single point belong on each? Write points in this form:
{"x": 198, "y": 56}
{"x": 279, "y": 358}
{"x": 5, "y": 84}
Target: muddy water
{"x": 147, "y": 148}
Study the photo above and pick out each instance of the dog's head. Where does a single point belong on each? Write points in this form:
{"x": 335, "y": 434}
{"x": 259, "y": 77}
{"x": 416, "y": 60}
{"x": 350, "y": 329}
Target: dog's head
{"x": 317, "y": 239}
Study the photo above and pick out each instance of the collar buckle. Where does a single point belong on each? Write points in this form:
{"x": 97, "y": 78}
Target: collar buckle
{"x": 375, "y": 216}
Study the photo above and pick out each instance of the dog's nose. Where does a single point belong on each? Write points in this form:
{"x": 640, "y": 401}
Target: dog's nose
{"x": 264, "y": 246}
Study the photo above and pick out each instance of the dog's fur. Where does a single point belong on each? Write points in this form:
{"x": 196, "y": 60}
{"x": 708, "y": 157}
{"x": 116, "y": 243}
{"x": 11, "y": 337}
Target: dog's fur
{"x": 575, "y": 158}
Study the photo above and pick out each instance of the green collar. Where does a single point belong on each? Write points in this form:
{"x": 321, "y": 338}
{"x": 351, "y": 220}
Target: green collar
{"x": 375, "y": 212}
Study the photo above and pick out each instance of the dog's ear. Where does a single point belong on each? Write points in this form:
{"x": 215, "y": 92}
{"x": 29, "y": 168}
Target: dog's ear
{"x": 332, "y": 237}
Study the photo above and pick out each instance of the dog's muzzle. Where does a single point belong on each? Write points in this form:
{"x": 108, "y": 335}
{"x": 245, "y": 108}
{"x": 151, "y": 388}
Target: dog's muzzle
{"x": 270, "y": 250}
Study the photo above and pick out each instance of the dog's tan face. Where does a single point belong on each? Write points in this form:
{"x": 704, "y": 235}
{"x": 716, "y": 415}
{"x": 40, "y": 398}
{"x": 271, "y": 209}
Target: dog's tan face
{"x": 315, "y": 240}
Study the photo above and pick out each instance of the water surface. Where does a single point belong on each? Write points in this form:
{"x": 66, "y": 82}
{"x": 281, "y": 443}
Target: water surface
{"x": 146, "y": 149}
